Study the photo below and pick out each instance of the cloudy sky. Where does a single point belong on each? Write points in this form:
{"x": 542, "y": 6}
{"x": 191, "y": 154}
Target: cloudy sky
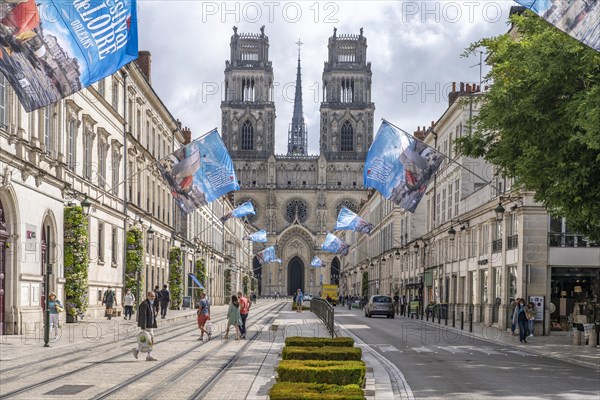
{"x": 414, "y": 48}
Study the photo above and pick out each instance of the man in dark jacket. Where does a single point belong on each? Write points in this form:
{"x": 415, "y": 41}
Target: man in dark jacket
{"x": 147, "y": 322}
{"x": 165, "y": 298}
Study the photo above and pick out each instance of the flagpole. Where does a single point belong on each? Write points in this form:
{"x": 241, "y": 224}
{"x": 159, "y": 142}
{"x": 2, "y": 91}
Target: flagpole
{"x": 451, "y": 159}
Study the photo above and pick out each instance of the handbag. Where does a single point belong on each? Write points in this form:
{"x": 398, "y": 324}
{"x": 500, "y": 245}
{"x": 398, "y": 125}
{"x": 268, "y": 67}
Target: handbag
{"x": 208, "y": 327}
{"x": 59, "y": 308}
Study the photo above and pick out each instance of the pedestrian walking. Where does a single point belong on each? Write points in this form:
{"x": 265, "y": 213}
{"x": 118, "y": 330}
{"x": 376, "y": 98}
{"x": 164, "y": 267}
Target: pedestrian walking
{"x": 147, "y": 322}
{"x": 530, "y": 312}
{"x": 513, "y": 325}
{"x": 55, "y": 307}
{"x": 157, "y": 297}
{"x": 397, "y": 303}
{"x": 520, "y": 318}
{"x": 403, "y": 306}
{"x": 244, "y": 310}
{"x": 165, "y": 299}
{"x": 299, "y": 298}
{"x": 109, "y": 299}
{"x": 233, "y": 317}
{"x": 128, "y": 301}
{"x": 203, "y": 316}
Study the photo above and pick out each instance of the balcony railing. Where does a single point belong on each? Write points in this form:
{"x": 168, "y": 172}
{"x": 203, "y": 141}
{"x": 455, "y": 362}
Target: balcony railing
{"x": 512, "y": 242}
{"x": 569, "y": 240}
{"x": 497, "y": 246}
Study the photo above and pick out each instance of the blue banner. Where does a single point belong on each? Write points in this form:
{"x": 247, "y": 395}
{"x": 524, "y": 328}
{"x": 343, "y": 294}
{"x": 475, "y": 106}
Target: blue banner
{"x": 267, "y": 256}
{"x": 400, "y": 167}
{"x": 317, "y": 262}
{"x": 259, "y": 236}
{"x": 349, "y": 221}
{"x": 240, "y": 211}
{"x": 334, "y": 244}
{"x": 52, "y": 48}
{"x": 199, "y": 173}
{"x": 580, "y": 19}
{"x": 195, "y": 279}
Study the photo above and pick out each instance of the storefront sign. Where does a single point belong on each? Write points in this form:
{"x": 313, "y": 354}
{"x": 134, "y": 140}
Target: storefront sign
{"x": 539, "y": 307}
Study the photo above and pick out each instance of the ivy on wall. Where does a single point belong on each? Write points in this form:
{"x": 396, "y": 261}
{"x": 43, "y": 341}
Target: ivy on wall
{"x": 365, "y": 284}
{"x": 245, "y": 281}
{"x": 134, "y": 261}
{"x": 227, "y": 286}
{"x": 175, "y": 278}
{"x": 76, "y": 260}
{"x": 201, "y": 271}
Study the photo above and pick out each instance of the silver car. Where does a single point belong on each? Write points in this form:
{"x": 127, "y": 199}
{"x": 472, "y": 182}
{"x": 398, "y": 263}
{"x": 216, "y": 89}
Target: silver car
{"x": 380, "y": 305}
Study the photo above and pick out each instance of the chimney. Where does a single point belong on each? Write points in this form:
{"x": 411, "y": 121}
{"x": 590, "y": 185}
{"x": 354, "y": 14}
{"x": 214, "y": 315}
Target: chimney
{"x": 462, "y": 87}
{"x": 144, "y": 61}
{"x": 187, "y": 135}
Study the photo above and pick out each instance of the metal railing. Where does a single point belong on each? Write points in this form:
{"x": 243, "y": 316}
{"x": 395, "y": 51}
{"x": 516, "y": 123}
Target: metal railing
{"x": 324, "y": 310}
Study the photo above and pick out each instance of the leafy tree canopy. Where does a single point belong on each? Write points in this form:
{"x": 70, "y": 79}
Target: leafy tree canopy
{"x": 540, "y": 121}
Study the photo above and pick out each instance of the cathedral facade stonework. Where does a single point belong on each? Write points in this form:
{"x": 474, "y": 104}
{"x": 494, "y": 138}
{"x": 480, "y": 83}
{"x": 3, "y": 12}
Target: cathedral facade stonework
{"x": 297, "y": 196}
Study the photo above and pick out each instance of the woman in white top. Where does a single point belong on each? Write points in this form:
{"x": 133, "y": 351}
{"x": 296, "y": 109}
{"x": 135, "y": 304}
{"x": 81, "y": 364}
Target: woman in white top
{"x": 128, "y": 301}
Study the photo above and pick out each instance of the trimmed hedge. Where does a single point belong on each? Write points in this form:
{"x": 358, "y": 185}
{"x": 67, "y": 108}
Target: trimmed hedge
{"x": 314, "y": 391}
{"x": 320, "y": 371}
{"x": 303, "y": 307}
{"x": 331, "y": 353}
{"x": 299, "y": 341}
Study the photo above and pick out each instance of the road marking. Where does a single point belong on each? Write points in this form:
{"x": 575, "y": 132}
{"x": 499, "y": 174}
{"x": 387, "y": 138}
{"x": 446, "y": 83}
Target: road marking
{"x": 484, "y": 350}
{"x": 452, "y": 349}
{"x": 385, "y": 349}
{"x": 422, "y": 349}
{"x": 356, "y": 326}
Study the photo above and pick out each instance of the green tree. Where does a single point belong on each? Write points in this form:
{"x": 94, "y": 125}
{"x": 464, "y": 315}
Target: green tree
{"x": 134, "y": 262}
{"x": 76, "y": 242}
{"x": 540, "y": 121}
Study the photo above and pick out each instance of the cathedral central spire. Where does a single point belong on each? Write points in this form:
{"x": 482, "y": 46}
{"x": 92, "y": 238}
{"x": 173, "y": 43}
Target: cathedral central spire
{"x": 297, "y": 138}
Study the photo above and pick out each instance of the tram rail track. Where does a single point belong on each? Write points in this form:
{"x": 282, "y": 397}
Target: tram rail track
{"x": 108, "y": 360}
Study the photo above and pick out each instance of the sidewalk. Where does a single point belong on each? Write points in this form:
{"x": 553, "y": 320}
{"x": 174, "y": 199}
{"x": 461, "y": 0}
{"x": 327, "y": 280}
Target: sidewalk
{"x": 557, "y": 345}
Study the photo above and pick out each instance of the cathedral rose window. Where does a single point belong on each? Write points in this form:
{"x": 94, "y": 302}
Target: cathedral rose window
{"x": 296, "y": 207}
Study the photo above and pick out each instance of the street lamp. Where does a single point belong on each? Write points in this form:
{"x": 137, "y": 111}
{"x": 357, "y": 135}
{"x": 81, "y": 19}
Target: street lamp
{"x": 397, "y": 254}
{"x": 499, "y": 210}
{"x": 451, "y": 233}
{"x": 416, "y": 247}
{"x": 85, "y": 205}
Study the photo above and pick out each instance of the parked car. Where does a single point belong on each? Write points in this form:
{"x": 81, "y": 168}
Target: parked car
{"x": 308, "y": 297}
{"x": 380, "y": 305}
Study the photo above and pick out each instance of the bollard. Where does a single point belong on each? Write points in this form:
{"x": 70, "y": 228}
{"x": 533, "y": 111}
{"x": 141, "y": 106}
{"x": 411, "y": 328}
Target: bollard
{"x": 446, "y": 318}
{"x": 576, "y": 338}
{"x": 454, "y": 318}
{"x": 462, "y": 320}
{"x": 593, "y": 339}
{"x": 470, "y": 322}
{"x": 439, "y": 317}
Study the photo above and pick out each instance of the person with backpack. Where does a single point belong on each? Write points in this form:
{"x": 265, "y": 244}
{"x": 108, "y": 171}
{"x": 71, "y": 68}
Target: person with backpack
{"x": 165, "y": 298}
{"x": 203, "y": 316}
{"x": 109, "y": 299}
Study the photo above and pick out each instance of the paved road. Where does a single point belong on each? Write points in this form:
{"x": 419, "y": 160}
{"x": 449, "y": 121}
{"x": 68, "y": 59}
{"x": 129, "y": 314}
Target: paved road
{"x": 438, "y": 363}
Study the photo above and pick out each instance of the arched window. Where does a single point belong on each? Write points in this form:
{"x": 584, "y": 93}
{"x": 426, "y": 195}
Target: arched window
{"x": 347, "y": 137}
{"x": 247, "y": 136}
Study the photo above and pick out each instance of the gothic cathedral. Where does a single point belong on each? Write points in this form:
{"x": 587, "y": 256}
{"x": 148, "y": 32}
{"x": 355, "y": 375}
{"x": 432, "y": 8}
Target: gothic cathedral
{"x": 297, "y": 196}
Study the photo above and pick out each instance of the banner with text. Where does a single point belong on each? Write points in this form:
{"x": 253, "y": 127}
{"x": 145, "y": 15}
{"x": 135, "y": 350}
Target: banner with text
{"x": 199, "y": 173}
{"x": 400, "y": 167}
{"x": 258, "y": 236}
{"x": 50, "y": 49}
{"x": 240, "y": 211}
{"x": 334, "y": 244}
{"x": 580, "y": 18}
{"x": 349, "y": 221}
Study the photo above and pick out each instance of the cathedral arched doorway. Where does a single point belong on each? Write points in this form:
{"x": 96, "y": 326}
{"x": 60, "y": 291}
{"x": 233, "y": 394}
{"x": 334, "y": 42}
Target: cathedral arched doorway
{"x": 295, "y": 275}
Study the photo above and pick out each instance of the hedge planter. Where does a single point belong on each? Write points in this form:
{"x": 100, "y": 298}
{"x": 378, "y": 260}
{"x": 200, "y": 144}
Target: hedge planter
{"x": 314, "y": 391}
{"x": 175, "y": 278}
{"x": 76, "y": 259}
{"x": 322, "y": 353}
{"x": 319, "y": 342}
{"x": 319, "y": 371}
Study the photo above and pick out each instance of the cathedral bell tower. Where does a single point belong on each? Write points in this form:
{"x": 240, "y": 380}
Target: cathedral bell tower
{"x": 248, "y": 109}
{"x": 346, "y": 110}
